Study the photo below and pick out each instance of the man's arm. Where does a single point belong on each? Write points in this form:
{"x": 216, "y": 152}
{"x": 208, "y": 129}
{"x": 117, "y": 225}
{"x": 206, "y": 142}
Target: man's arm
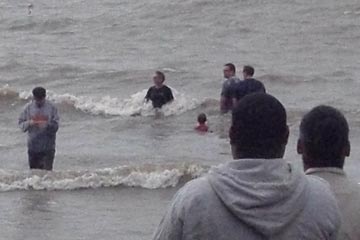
{"x": 224, "y": 97}
{"x": 171, "y": 226}
{"x": 223, "y": 102}
{"x": 239, "y": 92}
{"x": 53, "y": 125}
{"x": 147, "y": 97}
{"x": 24, "y": 121}
{"x": 170, "y": 96}
{"x": 262, "y": 88}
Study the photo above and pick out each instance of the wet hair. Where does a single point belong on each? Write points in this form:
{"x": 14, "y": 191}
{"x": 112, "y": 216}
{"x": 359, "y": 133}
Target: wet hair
{"x": 161, "y": 75}
{"x": 249, "y": 70}
{"x": 231, "y": 67}
{"x": 324, "y": 132}
{"x": 259, "y": 128}
{"x": 202, "y": 118}
{"x": 39, "y": 93}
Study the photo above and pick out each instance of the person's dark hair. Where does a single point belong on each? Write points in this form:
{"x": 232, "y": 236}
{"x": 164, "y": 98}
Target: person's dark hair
{"x": 259, "y": 128}
{"x": 324, "y": 132}
{"x": 249, "y": 70}
{"x": 202, "y": 118}
{"x": 39, "y": 93}
{"x": 231, "y": 67}
{"x": 161, "y": 75}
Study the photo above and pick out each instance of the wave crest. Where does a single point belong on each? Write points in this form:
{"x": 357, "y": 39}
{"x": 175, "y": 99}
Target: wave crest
{"x": 145, "y": 176}
{"x": 7, "y": 93}
{"x": 132, "y": 106}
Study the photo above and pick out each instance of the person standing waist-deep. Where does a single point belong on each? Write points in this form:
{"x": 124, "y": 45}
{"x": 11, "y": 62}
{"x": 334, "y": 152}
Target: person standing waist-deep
{"x": 40, "y": 120}
{"x": 228, "y": 88}
{"x": 159, "y": 94}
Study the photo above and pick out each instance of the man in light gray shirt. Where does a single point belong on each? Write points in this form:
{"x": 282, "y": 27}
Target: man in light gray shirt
{"x": 324, "y": 144}
{"x": 41, "y": 121}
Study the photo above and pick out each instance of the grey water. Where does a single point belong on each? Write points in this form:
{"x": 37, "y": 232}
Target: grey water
{"x": 116, "y": 161}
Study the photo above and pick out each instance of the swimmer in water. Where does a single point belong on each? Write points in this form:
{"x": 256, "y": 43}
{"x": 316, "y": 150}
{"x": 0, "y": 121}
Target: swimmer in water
{"x": 202, "y": 126}
{"x": 159, "y": 94}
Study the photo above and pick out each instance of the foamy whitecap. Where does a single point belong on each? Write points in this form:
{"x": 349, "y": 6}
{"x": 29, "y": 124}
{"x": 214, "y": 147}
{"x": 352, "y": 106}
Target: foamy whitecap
{"x": 145, "y": 176}
{"x": 357, "y": 12}
{"x": 7, "y": 92}
{"x": 169, "y": 70}
{"x": 134, "y": 105}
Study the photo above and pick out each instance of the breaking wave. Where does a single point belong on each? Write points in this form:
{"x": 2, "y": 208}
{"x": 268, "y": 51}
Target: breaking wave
{"x": 107, "y": 105}
{"x": 148, "y": 176}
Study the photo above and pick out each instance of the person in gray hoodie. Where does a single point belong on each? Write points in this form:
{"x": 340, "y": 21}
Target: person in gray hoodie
{"x": 257, "y": 196}
{"x": 324, "y": 144}
{"x": 40, "y": 120}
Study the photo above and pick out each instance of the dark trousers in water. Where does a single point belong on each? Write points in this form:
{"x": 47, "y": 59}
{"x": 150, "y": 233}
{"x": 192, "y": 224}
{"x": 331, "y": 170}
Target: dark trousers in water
{"x": 41, "y": 160}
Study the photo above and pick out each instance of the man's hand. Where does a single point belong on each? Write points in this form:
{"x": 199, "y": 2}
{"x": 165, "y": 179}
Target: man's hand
{"x": 42, "y": 124}
{"x": 39, "y": 124}
{"x": 32, "y": 123}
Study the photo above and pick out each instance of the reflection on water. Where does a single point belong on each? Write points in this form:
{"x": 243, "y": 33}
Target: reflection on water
{"x": 34, "y": 201}
{"x": 36, "y": 217}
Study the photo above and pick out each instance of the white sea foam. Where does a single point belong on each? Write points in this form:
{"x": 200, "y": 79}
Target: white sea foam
{"x": 146, "y": 176}
{"x": 352, "y": 12}
{"x": 7, "y": 92}
{"x": 134, "y": 105}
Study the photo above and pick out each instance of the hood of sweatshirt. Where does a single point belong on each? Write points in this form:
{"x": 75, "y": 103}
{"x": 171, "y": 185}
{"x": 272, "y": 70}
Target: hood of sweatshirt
{"x": 266, "y": 194}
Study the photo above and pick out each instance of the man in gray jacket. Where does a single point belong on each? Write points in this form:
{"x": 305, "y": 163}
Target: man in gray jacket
{"x": 227, "y": 92}
{"x": 324, "y": 144}
{"x": 258, "y": 195}
{"x": 41, "y": 121}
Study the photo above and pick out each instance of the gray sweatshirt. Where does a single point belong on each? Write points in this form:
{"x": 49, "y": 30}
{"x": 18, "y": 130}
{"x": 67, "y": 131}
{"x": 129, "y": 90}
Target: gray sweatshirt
{"x": 347, "y": 194}
{"x": 40, "y": 139}
{"x": 252, "y": 199}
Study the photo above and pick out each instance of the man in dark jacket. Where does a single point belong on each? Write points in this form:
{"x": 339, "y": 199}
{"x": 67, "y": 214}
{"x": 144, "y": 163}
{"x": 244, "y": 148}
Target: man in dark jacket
{"x": 248, "y": 85}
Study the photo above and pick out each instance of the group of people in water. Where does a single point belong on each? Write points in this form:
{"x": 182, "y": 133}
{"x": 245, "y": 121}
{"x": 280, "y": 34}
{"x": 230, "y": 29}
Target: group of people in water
{"x": 258, "y": 195}
{"x": 233, "y": 89}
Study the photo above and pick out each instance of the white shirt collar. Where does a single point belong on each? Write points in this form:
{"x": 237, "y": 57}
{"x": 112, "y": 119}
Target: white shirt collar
{"x": 326, "y": 169}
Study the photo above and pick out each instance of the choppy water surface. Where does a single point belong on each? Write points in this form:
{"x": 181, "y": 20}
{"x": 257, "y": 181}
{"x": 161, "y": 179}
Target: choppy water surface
{"x": 118, "y": 163}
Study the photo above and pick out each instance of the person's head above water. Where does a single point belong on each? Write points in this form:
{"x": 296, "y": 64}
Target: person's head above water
{"x": 248, "y": 72}
{"x": 229, "y": 70}
{"x": 159, "y": 78}
{"x": 39, "y": 95}
{"x": 202, "y": 118}
{"x": 324, "y": 138}
{"x": 259, "y": 128}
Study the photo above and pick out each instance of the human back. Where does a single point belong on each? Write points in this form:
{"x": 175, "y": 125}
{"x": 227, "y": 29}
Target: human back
{"x": 248, "y": 85}
{"x": 347, "y": 194}
{"x": 258, "y": 195}
{"x": 324, "y": 144}
{"x": 236, "y": 212}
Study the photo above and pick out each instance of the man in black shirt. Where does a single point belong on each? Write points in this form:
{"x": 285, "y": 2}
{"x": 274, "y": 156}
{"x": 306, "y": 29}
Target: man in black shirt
{"x": 248, "y": 85}
{"x": 159, "y": 94}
